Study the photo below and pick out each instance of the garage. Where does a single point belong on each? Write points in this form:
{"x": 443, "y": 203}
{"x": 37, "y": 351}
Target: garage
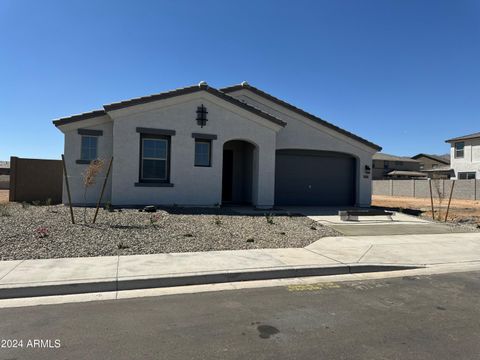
{"x": 308, "y": 177}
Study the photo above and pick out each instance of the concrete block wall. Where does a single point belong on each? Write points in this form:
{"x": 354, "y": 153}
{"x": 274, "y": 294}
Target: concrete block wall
{"x": 463, "y": 190}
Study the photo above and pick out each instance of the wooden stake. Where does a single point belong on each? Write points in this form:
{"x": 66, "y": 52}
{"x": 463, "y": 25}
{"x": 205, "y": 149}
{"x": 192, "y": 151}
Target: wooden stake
{"x": 68, "y": 189}
{"x": 449, "y": 200}
{"x": 103, "y": 189}
{"x": 431, "y": 198}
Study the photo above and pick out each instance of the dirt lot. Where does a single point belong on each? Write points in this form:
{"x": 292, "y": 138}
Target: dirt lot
{"x": 463, "y": 211}
{"x": 3, "y": 196}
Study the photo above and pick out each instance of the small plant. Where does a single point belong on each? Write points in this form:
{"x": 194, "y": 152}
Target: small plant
{"x": 108, "y": 206}
{"x": 48, "y": 202}
{"x": 122, "y": 246}
{"x": 154, "y": 219}
{"x": 25, "y": 205}
{"x": 217, "y": 220}
{"x": 41, "y": 232}
{"x": 270, "y": 218}
{"x": 36, "y": 203}
{"x": 4, "y": 210}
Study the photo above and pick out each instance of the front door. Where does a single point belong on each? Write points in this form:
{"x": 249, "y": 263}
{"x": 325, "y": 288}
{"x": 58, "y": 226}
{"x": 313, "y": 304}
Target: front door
{"x": 227, "y": 175}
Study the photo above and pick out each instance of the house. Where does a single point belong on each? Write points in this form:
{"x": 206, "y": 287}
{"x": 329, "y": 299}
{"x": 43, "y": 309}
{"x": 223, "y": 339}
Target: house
{"x": 465, "y": 156}
{"x": 434, "y": 166}
{"x": 431, "y": 162}
{"x": 204, "y": 146}
{"x": 4, "y": 175}
{"x": 387, "y": 166}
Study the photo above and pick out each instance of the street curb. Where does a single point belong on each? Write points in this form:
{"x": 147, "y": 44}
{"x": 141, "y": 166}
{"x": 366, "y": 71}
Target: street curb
{"x": 135, "y": 283}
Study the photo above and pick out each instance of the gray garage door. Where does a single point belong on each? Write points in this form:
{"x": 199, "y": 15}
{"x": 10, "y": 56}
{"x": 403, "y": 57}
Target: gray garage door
{"x": 304, "y": 177}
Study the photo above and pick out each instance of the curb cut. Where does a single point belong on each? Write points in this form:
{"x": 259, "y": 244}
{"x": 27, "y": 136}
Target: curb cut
{"x": 10, "y": 292}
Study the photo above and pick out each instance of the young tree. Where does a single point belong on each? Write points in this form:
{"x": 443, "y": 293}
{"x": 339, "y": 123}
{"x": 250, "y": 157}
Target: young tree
{"x": 89, "y": 177}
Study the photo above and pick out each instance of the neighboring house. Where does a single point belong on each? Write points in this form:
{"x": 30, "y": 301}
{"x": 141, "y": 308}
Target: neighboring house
{"x": 203, "y": 146}
{"x": 465, "y": 156}
{"x": 4, "y": 175}
{"x": 431, "y": 162}
{"x": 387, "y": 166}
{"x": 434, "y": 166}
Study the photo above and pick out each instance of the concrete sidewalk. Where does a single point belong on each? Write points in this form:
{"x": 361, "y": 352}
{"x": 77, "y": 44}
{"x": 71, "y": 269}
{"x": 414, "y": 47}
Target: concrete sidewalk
{"x": 328, "y": 256}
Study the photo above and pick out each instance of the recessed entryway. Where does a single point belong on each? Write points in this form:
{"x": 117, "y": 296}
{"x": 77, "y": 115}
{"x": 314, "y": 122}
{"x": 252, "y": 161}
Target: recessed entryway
{"x": 237, "y": 172}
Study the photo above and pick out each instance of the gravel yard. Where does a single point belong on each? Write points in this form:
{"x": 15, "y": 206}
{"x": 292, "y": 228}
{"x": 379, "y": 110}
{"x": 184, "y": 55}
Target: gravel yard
{"x": 39, "y": 232}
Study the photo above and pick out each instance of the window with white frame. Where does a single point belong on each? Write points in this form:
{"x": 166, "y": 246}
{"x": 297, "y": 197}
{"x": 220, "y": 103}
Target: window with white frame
{"x": 155, "y": 158}
{"x": 459, "y": 149}
{"x": 89, "y": 148}
{"x": 203, "y": 152}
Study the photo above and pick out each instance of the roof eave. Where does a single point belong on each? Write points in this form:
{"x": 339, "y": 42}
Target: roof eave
{"x": 300, "y": 112}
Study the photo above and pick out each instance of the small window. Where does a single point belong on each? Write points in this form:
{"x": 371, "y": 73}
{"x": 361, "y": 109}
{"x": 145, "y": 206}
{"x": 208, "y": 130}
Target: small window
{"x": 422, "y": 166}
{"x": 89, "y": 148}
{"x": 154, "y": 159}
{"x": 466, "y": 175}
{"x": 203, "y": 152}
{"x": 434, "y": 166}
{"x": 459, "y": 146}
{"x": 386, "y": 165}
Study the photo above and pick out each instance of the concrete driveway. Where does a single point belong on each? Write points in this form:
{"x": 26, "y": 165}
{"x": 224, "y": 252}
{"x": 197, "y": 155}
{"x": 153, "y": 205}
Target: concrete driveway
{"x": 402, "y": 224}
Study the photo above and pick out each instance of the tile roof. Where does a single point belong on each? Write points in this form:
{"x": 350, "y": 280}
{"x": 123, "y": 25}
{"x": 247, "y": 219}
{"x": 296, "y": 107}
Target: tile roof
{"x": 388, "y": 157}
{"x": 290, "y": 107}
{"x": 166, "y": 95}
{"x": 441, "y": 159}
{"x": 465, "y": 137}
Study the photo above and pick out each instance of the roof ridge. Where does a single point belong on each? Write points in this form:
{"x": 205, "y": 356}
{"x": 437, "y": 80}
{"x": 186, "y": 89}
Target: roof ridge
{"x": 245, "y": 85}
{"x": 202, "y": 86}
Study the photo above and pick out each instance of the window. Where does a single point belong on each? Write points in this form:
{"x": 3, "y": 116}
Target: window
{"x": 386, "y": 165}
{"x": 89, "y": 148}
{"x": 459, "y": 149}
{"x": 466, "y": 175}
{"x": 422, "y": 166}
{"x": 203, "y": 152}
{"x": 399, "y": 163}
{"x": 155, "y": 156}
{"x": 434, "y": 166}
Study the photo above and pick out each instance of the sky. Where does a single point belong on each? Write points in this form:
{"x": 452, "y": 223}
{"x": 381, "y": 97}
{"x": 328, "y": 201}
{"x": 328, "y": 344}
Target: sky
{"x": 403, "y": 74}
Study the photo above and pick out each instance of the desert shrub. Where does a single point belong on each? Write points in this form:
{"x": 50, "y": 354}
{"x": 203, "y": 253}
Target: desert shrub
{"x": 41, "y": 232}
{"x": 270, "y": 218}
{"x": 4, "y": 210}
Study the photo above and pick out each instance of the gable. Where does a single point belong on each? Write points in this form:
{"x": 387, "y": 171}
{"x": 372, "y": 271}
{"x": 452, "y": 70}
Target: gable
{"x": 202, "y": 87}
{"x": 238, "y": 89}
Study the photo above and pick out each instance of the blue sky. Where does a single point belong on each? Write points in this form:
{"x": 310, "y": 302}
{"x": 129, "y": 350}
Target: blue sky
{"x": 404, "y": 74}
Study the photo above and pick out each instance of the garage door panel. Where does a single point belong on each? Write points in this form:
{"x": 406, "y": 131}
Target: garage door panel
{"x": 314, "y": 178}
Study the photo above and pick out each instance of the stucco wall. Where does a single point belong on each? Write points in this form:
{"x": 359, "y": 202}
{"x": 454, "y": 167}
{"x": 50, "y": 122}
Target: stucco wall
{"x": 74, "y": 170}
{"x": 303, "y": 133}
{"x": 471, "y": 159}
{"x": 191, "y": 185}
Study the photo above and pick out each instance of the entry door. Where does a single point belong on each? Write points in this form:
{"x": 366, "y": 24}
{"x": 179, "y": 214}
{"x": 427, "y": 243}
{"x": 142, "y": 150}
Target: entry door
{"x": 227, "y": 175}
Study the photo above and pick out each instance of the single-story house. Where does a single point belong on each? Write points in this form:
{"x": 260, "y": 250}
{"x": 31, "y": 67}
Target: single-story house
{"x": 203, "y": 146}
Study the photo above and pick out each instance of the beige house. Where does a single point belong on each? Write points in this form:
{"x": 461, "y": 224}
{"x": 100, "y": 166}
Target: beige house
{"x": 203, "y": 146}
{"x": 387, "y": 166}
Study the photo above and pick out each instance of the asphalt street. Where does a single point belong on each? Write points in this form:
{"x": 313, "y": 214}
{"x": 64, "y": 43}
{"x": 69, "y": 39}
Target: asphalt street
{"x": 429, "y": 317}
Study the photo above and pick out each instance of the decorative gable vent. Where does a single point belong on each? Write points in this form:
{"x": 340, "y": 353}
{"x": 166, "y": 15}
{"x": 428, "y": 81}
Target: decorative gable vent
{"x": 202, "y": 116}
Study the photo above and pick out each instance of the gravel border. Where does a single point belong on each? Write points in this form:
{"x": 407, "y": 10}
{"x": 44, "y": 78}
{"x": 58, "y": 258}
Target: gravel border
{"x": 40, "y": 232}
